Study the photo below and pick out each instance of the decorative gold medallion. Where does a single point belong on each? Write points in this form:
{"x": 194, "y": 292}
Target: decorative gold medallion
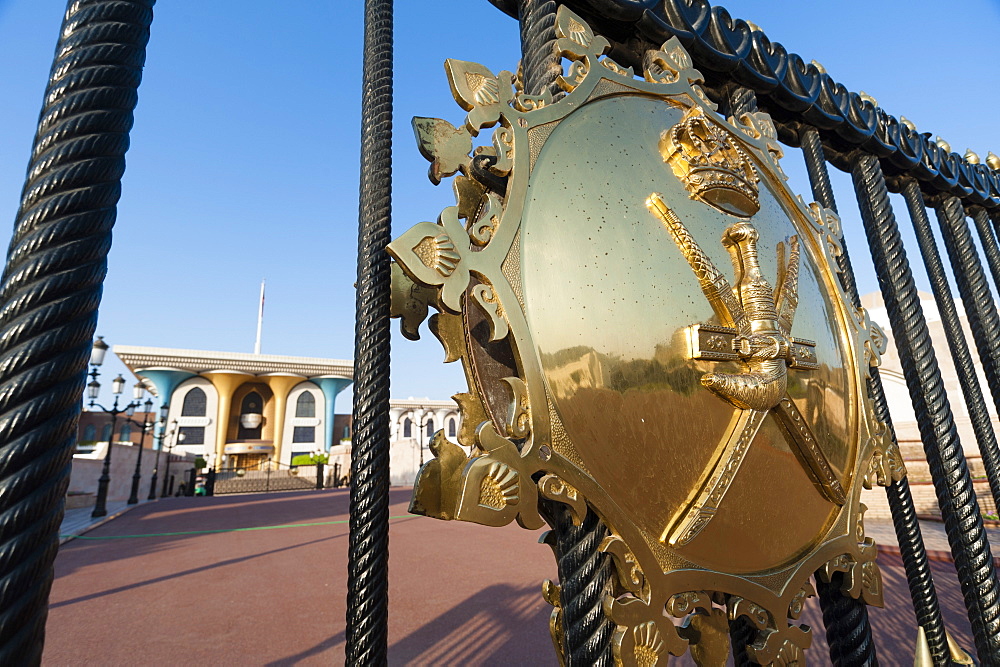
{"x": 718, "y": 423}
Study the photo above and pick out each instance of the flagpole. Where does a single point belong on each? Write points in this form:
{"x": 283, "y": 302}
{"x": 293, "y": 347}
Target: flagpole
{"x": 260, "y": 318}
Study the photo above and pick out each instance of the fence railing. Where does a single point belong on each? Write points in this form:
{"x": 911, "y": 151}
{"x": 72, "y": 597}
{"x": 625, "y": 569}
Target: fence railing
{"x": 268, "y": 476}
{"x": 51, "y": 289}
{"x": 745, "y": 72}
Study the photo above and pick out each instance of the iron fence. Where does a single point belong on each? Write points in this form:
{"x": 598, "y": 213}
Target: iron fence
{"x": 51, "y": 287}
{"x": 266, "y": 477}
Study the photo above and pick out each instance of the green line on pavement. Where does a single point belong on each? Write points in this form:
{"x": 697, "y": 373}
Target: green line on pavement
{"x": 221, "y": 530}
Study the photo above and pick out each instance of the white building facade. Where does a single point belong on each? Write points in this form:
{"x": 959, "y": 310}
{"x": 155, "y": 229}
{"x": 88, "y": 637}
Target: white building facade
{"x": 412, "y": 423}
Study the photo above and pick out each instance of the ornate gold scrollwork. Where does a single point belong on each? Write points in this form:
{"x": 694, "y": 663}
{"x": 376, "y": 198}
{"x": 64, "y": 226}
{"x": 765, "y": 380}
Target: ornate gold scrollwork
{"x": 629, "y": 571}
{"x": 552, "y": 594}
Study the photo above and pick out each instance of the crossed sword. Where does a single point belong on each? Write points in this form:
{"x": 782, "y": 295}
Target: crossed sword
{"x": 755, "y": 323}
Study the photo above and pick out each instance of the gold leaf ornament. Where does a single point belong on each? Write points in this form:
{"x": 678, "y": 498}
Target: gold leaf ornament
{"x": 435, "y": 492}
{"x": 480, "y": 92}
{"x": 518, "y": 415}
{"x": 495, "y": 490}
{"x": 409, "y": 302}
{"x": 431, "y": 255}
{"x": 445, "y": 146}
{"x": 486, "y": 298}
{"x": 576, "y": 38}
{"x": 639, "y": 639}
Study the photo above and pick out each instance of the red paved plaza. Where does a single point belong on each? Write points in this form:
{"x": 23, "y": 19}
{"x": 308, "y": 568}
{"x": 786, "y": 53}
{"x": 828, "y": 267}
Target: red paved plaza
{"x": 261, "y": 580}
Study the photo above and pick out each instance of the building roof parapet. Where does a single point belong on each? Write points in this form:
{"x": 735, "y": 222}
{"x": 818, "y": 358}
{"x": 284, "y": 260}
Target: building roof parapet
{"x": 139, "y": 358}
{"x": 409, "y": 403}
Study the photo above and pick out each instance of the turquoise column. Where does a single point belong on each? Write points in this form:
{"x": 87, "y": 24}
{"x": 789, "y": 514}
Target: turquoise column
{"x": 165, "y": 381}
{"x": 331, "y": 386}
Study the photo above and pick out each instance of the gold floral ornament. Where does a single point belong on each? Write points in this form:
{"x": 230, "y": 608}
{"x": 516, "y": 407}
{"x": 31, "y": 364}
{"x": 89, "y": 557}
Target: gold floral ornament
{"x": 717, "y": 422}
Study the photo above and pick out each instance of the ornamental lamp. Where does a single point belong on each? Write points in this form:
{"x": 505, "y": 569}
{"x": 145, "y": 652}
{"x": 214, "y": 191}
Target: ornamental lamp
{"x": 98, "y": 351}
{"x": 138, "y": 389}
{"x": 164, "y": 410}
{"x": 93, "y": 390}
{"x": 251, "y": 420}
{"x": 148, "y": 406}
{"x": 117, "y": 385}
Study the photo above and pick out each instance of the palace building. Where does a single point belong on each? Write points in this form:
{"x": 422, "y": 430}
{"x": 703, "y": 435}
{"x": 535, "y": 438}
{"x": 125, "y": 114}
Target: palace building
{"x": 241, "y": 409}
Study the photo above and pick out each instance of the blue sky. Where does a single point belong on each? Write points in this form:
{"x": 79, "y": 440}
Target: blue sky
{"x": 244, "y": 157}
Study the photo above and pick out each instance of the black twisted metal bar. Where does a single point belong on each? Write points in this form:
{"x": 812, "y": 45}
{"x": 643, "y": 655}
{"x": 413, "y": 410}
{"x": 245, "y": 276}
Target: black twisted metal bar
{"x": 848, "y": 628}
{"x": 585, "y": 579}
{"x": 904, "y": 514}
{"x": 585, "y": 574}
{"x": 972, "y": 284}
{"x": 989, "y": 242}
{"x": 50, "y": 293}
{"x": 730, "y": 49}
{"x": 742, "y": 633}
{"x": 739, "y": 100}
{"x": 368, "y": 550}
{"x": 540, "y": 64}
{"x": 963, "y": 523}
{"x": 994, "y": 216}
{"x": 964, "y": 363}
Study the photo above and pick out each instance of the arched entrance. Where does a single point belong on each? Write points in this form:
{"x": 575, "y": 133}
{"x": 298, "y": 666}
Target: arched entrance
{"x": 251, "y": 435}
{"x": 251, "y": 417}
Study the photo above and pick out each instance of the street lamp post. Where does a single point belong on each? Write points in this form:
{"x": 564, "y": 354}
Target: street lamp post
{"x": 156, "y": 465}
{"x": 93, "y": 391}
{"x": 133, "y": 497}
{"x": 424, "y": 420}
{"x": 178, "y": 438}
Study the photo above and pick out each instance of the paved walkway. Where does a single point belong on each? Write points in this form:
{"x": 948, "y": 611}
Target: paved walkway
{"x": 78, "y": 521}
{"x": 260, "y": 580}
{"x": 935, "y": 538}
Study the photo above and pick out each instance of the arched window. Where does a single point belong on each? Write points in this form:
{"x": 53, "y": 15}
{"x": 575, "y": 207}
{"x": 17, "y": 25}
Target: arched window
{"x": 89, "y": 433}
{"x": 252, "y": 404}
{"x": 304, "y": 434}
{"x": 193, "y": 435}
{"x": 125, "y": 432}
{"x": 407, "y": 428}
{"x": 306, "y": 405}
{"x": 347, "y": 432}
{"x": 195, "y": 403}
{"x": 106, "y": 433}
{"x": 451, "y": 427}
{"x": 430, "y": 427}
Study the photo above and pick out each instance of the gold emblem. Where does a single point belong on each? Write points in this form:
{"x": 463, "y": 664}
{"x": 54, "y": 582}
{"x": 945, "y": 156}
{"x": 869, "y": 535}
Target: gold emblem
{"x": 719, "y": 426}
{"x": 757, "y": 330}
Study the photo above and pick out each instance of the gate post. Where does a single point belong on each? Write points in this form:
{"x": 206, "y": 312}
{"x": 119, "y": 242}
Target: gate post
{"x": 319, "y": 474}
{"x": 368, "y": 551}
{"x": 50, "y": 292}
